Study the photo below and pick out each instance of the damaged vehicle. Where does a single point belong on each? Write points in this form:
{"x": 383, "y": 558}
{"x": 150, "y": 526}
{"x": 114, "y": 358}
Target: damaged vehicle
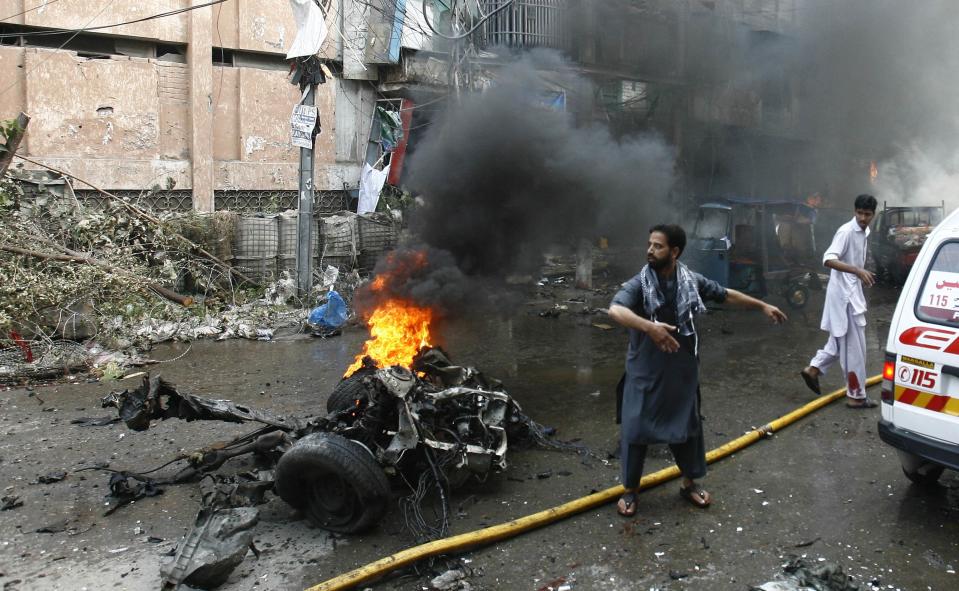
{"x": 900, "y": 233}
{"x": 432, "y": 427}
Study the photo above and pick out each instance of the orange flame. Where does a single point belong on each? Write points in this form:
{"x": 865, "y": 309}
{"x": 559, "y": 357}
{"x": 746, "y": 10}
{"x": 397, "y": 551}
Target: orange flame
{"x": 873, "y": 171}
{"x": 398, "y": 330}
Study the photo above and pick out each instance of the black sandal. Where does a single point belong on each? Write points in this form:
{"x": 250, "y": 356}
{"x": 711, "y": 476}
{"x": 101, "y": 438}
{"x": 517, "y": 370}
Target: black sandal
{"x": 811, "y": 382}
{"x": 697, "y": 495}
{"x": 866, "y": 403}
{"x": 629, "y": 507}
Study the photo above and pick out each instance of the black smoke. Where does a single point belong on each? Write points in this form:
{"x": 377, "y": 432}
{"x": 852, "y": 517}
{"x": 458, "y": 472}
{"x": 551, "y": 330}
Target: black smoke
{"x": 420, "y": 274}
{"x": 503, "y": 177}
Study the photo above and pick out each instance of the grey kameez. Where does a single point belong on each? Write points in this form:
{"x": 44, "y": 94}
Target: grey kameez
{"x": 660, "y": 394}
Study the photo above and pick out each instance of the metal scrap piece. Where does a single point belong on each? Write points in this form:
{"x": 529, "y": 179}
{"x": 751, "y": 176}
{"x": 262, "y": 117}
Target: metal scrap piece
{"x": 216, "y": 545}
{"x": 139, "y": 407}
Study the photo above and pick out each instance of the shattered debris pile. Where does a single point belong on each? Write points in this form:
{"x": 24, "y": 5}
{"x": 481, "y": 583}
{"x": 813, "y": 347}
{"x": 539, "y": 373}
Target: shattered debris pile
{"x": 424, "y": 430}
{"x": 67, "y": 269}
{"x": 126, "y": 277}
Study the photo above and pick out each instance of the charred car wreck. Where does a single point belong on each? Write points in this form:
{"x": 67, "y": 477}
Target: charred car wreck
{"x": 432, "y": 427}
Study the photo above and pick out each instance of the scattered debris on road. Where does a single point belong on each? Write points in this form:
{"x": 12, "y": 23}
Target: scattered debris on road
{"x": 799, "y": 575}
{"x": 431, "y": 427}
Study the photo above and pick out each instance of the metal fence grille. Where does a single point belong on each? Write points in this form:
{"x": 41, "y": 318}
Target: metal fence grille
{"x": 178, "y": 200}
{"x": 244, "y": 202}
{"x": 277, "y": 201}
{"x": 527, "y": 23}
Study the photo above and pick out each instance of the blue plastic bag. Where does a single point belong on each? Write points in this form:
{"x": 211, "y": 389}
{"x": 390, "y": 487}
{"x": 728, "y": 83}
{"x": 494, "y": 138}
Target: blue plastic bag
{"x": 330, "y": 315}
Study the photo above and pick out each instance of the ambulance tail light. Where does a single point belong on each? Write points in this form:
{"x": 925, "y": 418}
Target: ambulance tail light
{"x": 888, "y": 378}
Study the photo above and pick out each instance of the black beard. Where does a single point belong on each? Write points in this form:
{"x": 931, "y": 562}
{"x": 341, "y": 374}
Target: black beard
{"x": 658, "y": 264}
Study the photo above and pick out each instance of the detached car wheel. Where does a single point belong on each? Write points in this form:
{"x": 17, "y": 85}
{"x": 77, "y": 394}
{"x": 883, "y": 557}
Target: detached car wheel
{"x": 335, "y": 482}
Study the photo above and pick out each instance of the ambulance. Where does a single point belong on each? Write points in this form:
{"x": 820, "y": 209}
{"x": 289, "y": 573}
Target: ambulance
{"x": 920, "y": 376}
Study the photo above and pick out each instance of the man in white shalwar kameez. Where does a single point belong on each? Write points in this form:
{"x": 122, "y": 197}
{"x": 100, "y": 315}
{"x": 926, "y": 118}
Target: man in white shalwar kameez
{"x": 844, "y": 313}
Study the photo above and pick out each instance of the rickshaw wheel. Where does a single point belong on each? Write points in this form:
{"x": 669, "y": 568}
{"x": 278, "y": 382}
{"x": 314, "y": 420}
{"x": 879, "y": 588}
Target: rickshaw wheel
{"x": 797, "y": 296}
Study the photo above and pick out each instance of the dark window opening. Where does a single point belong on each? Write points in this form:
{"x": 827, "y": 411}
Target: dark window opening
{"x": 222, "y": 57}
{"x": 225, "y": 57}
{"x": 171, "y": 53}
{"x": 88, "y": 45}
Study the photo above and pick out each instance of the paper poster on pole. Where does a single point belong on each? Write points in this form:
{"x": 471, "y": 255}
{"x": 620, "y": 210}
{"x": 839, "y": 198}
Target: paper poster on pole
{"x": 302, "y": 123}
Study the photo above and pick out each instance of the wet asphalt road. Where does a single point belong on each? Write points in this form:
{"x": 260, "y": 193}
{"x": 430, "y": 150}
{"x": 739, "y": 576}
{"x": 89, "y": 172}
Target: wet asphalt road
{"x": 824, "y": 488}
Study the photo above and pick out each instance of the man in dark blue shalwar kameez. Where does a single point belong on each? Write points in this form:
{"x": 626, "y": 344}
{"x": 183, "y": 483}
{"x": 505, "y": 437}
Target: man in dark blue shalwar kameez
{"x": 661, "y": 386}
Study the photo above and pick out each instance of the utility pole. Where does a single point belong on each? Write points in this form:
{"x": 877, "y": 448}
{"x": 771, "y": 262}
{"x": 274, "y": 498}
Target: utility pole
{"x": 304, "y": 227}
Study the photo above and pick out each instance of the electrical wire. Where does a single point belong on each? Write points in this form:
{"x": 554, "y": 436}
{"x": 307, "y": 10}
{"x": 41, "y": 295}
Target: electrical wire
{"x": 44, "y": 5}
{"x": 54, "y": 52}
{"x": 472, "y": 29}
{"x": 101, "y": 27}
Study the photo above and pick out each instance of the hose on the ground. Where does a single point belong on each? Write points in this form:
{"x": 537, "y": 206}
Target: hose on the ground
{"x": 509, "y": 529}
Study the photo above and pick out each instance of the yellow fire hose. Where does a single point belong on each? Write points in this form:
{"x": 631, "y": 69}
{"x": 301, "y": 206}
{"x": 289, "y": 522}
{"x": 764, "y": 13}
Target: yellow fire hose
{"x": 517, "y": 526}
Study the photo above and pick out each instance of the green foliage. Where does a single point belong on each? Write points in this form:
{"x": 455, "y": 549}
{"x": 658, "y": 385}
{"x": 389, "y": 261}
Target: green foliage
{"x": 35, "y": 292}
{"x": 394, "y": 198}
{"x": 8, "y": 129}
{"x": 10, "y": 194}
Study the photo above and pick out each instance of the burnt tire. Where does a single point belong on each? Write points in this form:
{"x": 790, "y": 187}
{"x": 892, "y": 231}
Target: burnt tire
{"x": 335, "y": 482}
{"x": 348, "y": 391}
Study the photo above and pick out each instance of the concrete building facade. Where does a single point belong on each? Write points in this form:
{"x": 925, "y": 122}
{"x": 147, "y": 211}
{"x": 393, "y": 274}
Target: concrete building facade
{"x": 196, "y": 104}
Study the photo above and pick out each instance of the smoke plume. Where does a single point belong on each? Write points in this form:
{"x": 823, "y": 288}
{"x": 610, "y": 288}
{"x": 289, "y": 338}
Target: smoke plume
{"x": 504, "y": 176}
{"x": 848, "y": 83}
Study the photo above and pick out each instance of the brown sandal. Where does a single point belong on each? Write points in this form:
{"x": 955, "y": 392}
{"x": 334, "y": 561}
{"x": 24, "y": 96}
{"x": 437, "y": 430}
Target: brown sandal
{"x": 696, "y": 495}
{"x": 627, "y": 504}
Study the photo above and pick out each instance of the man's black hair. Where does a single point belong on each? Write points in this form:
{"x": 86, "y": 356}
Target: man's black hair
{"x": 865, "y": 201}
{"x": 675, "y": 235}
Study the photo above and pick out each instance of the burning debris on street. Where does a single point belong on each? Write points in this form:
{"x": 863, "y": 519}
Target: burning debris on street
{"x": 431, "y": 188}
{"x": 403, "y": 417}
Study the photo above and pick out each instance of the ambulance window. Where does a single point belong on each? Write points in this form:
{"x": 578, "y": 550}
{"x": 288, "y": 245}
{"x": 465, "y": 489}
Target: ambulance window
{"x": 939, "y": 299}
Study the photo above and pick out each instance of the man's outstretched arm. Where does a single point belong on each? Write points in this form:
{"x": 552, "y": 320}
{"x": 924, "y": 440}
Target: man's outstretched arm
{"x": 658, "y": 331}
{"x": 738, "y": 298}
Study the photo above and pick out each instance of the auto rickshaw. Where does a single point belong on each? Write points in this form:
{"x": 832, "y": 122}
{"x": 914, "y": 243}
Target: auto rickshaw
{"x": 758, "y": 247}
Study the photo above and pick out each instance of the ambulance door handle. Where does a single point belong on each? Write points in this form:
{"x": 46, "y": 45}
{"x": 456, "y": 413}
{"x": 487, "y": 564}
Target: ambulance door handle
{"x": 950, "y": 370}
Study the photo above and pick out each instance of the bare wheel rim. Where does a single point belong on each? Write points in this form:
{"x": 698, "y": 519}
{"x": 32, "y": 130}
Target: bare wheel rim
{"x": 333, "y": 501}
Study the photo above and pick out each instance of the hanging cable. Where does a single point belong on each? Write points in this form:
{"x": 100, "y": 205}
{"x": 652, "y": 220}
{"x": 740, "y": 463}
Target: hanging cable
{"x": 44, "y": 5}
{"x": 472, "y": 29}
{"x": 54, "y": 52}
{"x": 86, "y": 29}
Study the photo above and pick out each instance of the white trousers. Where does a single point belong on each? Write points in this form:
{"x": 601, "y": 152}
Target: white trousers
{"x": 850, "y": 351}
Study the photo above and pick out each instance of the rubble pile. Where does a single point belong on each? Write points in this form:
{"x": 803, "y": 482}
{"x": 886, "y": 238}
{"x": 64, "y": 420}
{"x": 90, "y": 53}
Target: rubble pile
{"x": 123, "y": 277}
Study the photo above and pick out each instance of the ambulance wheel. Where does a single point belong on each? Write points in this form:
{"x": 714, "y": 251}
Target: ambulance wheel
{"x": 921, "y": 472}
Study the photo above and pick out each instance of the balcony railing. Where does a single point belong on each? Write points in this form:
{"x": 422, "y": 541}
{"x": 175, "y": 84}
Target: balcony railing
{"x": 527, "y": 23}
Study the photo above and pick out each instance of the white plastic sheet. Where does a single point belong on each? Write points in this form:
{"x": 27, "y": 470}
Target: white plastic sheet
{"x": 310, "y": 29}
{"x": 371, "y": 183}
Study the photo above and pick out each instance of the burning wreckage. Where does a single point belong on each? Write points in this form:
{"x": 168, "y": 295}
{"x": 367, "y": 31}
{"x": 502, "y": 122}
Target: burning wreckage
{"x": 430, "y": 426}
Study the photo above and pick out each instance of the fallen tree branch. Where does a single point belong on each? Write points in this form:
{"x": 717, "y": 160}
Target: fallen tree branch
{"x": 13, "y": 142}
{"x": 150, "y": 218}
{"x": 75, "y": 257}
